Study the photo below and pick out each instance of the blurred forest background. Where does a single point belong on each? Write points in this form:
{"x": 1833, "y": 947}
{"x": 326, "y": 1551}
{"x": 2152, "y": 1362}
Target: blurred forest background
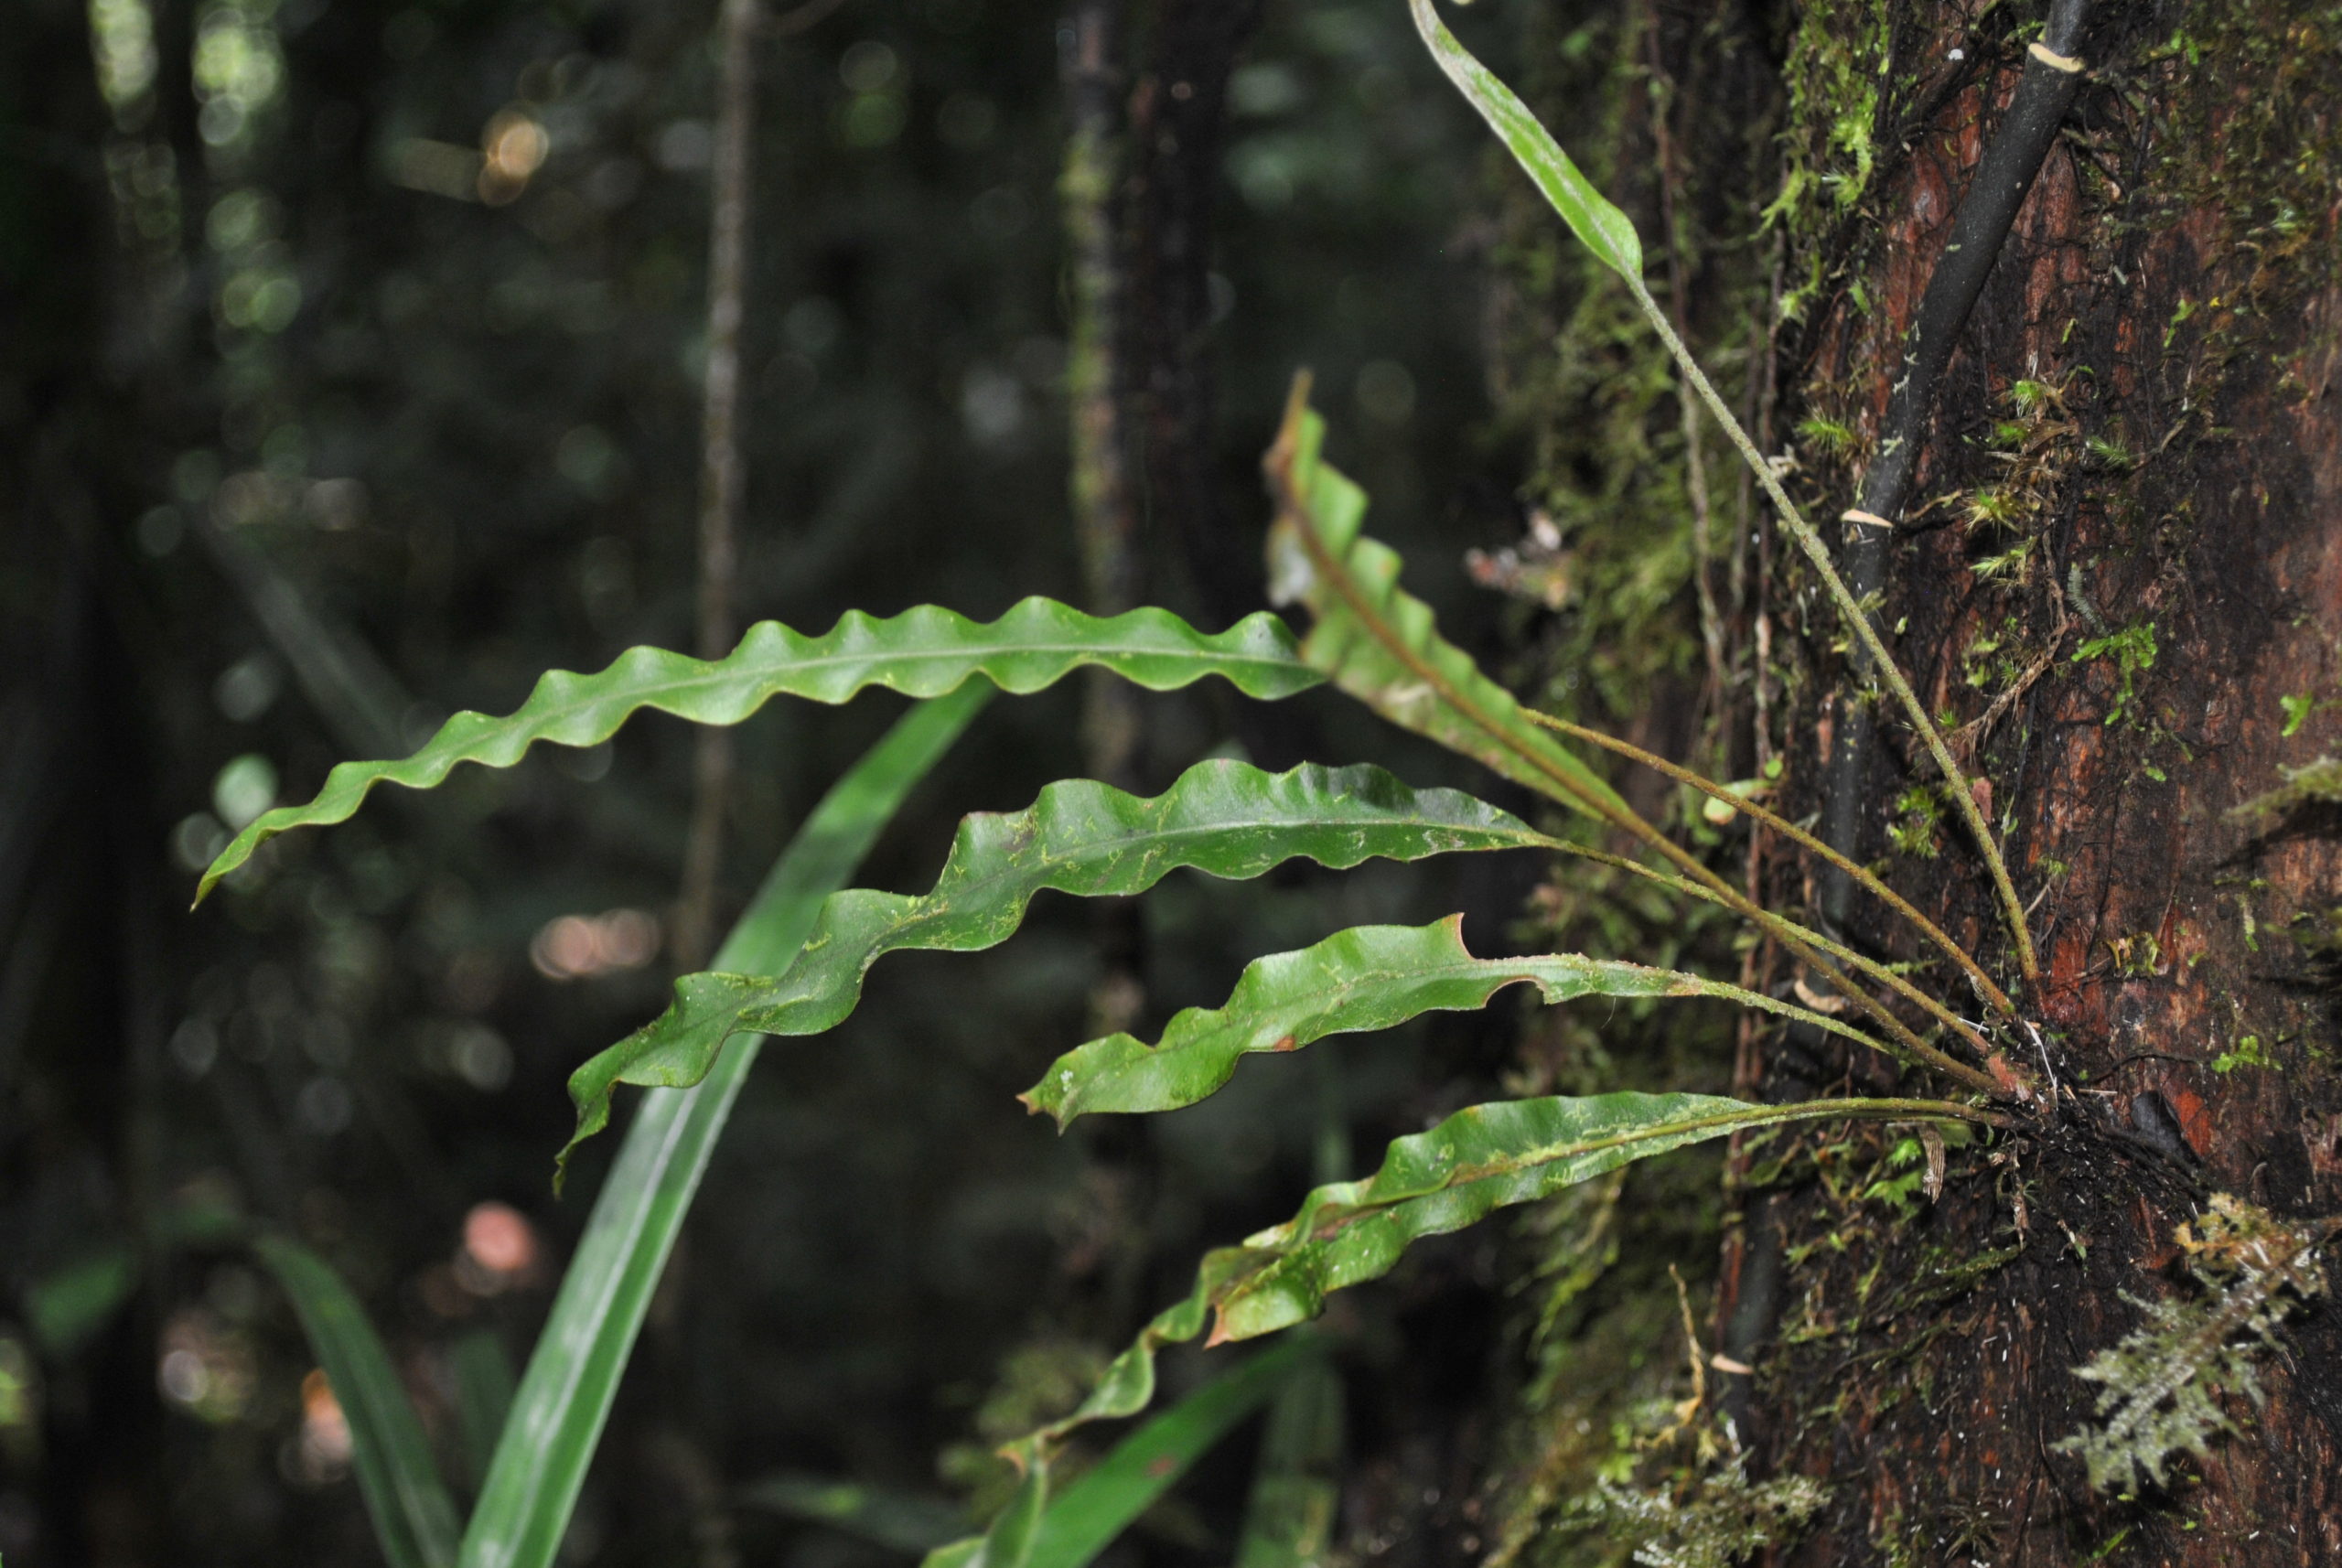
{"x": 351, "y": 372}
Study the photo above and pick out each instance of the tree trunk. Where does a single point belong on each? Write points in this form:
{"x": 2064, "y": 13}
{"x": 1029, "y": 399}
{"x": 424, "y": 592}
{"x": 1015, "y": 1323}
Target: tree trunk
{"x": 2142, "y": 404}
{"x": 2119, "y": 574}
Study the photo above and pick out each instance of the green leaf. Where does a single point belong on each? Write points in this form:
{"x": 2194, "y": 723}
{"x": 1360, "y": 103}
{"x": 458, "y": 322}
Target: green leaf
{"x": 922, "y": 653}
{"x": 483, "y": 1374}
{"x": 1370, "y": 977}
{"x": 900, "y": 1521}
{"x": 1601, "y": 227}
{"x": 1296, "y": 1488}
{"x": 1225, "y": 818}
{"x": 566, "y": 1394}
{"x": 1480, "y": 1159}
{"x": 70, "y": 1306}
{"x": 414, "y": 1519}
{"x": 1087, "y": 1517}
{"x": 1378, "y": 642}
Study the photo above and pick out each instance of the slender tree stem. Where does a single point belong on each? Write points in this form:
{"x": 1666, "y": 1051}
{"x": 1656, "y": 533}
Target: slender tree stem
{"x": 1105, "y": 526}
{"x": 723, "y": 477}
{"x": 1980, "y": 231}
{"x": 1100, "y": 488}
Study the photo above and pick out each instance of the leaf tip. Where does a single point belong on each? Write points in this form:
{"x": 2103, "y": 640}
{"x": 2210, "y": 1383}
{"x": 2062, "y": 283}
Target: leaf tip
{"x": 1039, "y": 1102}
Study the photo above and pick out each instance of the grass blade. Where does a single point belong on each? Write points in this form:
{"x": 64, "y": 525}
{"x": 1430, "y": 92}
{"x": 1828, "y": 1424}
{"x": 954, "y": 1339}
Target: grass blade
{"x": 1224, "y": 818}
{"x": 922, "y": 653}
{"x": 1087, "y": 1516}
{"x": 1296, "y": 1488}
{"x": 1370, "y": 977}
{"x": 1070, "y": 1531}
{"x": 414, "y": 1519}
{"x": 484, "y": 1383}
{"x": 900, "y": 1521}
{"x": 565, "y": 1393}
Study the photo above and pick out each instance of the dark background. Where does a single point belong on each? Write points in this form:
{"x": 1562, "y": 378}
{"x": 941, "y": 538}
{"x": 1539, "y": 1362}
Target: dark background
{"x": 303, "y": 445}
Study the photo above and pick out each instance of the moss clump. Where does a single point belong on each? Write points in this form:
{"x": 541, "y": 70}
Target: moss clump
{"x": 2160, "y": 1383}
{"x": 2316, "y": 783}
{"x": 1724, "y": 1519}
{"x": 1838, "y": 63}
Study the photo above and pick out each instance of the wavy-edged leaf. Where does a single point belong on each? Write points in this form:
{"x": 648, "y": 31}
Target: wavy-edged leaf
{"x": 1481, "y": 1159}
{"x": 573, "y": 1375}
{"x": 1369, "y": 977}
{"x": 1599, "y": 225}
{"x": 1225, "y": 818}
{"x": 1378, "y": 642}
{"x": 414, "y": 1519}
{"x": 922, "y": 653}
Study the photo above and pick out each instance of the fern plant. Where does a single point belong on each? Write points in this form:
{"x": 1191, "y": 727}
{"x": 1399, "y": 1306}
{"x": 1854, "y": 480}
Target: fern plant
{"x": 797, "y": 962}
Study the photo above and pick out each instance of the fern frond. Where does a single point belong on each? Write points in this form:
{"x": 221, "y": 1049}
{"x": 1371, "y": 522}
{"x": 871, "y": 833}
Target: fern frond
{"x": 922, "y": 653}
{"x": 1370, "y": 977}
{"x": 1226, "y": 819}
{"x": 1482, "y": 1158}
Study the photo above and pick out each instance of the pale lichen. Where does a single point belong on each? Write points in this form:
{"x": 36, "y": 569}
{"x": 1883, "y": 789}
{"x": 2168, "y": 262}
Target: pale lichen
{"x": 2161, "y": 1383}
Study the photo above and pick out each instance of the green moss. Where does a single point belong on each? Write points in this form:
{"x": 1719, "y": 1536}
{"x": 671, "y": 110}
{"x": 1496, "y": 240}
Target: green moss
{"x": 2248, "y": 1051}
{"x": 2159, "y": 1386}
{"x": 2265, "y": 162}
{"x": 1837, "y": 64}
{"x": 2134, "y": 650}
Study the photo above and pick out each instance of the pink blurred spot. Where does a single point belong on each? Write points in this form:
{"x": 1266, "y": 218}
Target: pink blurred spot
{"x": 499, "y": 1240}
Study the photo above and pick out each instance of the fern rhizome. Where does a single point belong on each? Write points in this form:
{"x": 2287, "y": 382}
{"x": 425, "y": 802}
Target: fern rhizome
{"x": 796, "y": 964}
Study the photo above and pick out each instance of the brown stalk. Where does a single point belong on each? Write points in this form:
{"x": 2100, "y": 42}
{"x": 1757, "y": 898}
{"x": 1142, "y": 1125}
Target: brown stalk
{"x": 1795, "y": 835}
{"x": 1839, "y": 950}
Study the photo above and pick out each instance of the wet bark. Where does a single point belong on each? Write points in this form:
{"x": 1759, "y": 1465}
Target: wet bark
{"x": 2171, "y": 481}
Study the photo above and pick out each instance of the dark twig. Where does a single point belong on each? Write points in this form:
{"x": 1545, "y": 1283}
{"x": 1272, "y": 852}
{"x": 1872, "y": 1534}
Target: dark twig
{"x": 2053, "y": 75}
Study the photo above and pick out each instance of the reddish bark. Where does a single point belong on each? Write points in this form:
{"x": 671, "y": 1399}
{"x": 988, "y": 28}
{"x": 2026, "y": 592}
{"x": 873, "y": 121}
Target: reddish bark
{"x": 2167, "y": 941}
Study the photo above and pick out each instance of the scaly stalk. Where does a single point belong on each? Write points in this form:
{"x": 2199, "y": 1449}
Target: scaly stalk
{"x": 1848, "y": 956}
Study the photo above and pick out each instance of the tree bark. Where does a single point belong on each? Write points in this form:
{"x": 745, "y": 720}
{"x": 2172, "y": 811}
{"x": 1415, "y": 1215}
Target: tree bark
{"x": 2142, "y": 405}
{"x": 2119, "y": 571}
